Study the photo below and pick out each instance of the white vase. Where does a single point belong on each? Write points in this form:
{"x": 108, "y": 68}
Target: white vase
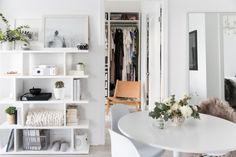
{"x": 11, "y": 119}
{"x": 81, "y": 141}
{"x": 59, "y": 93}
{"x": 7, "y": 45}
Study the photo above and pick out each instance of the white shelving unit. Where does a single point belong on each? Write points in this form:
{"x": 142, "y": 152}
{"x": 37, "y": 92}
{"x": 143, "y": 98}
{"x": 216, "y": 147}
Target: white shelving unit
{"x": 16, "y": 85}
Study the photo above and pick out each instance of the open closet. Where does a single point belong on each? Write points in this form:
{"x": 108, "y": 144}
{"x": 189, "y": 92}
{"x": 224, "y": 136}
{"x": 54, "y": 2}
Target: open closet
{"x": 133, "y": 41}
{"x": 122, "y": 47}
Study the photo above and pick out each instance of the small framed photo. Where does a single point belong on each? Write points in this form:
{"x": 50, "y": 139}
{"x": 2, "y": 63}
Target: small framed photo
{"x": 36, "y": 29}
{"x": 67, "y": 31}
{"x": 193, "y": 51}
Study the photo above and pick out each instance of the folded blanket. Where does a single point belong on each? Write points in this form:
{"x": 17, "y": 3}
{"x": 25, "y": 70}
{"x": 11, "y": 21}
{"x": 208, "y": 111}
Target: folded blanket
{"x": 39, "y": 118}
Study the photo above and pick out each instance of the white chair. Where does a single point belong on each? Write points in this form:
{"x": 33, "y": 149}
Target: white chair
{"x": 118, "y": 111}
{"x": 122, "y": 146}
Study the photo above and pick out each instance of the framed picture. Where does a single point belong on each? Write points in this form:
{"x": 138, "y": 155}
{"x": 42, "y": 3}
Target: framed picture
{"x": 65, "y": 31}
{"x": 193, "y": 51}
{"x": 36, "y": 28}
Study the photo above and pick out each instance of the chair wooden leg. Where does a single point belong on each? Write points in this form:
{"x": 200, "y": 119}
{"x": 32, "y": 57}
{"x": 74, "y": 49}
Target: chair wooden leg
{"x": 137, "y": 108}
{"x": 108, "y": 107}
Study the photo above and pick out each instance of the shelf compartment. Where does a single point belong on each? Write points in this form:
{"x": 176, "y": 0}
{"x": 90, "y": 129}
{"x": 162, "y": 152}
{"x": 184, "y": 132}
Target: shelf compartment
{"x": 84, "y": 124}
{"x": 5, "y": 134}
{"x": 10, "y": 63}
{"x": 55, "y": 135}
{"x": 4, "y": 115}
{"x": 32, "y": 60}
{"x": 85, "y": 134}
{"x": 8, "y": 89}
{"x": 47, "y": 86}
{"x": 44, "y": 107}
{"x": 71, "y": 59}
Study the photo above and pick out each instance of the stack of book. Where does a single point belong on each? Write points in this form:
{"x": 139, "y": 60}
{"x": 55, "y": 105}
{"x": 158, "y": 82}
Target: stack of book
{"x": 72, "y": 115}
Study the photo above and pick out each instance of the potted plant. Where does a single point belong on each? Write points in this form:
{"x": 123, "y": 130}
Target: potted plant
{"x": 59, "y": 90}
{"x": 8, "y": 36}
{"x": 11, "y": 115}
{"x": 176, "y": 111}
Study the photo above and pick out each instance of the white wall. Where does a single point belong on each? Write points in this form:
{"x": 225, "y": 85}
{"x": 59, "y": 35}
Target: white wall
{"x": 178, "y": 37}
{"x": 213, "y": 47}
{"x": 36, "y": 9}
{"x": 197, "y": 78}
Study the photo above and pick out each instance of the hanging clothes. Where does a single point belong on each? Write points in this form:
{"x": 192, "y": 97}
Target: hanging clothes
{"x": 119, "y": 54}
{"x": 124, "y": 54}
{"x": 127, "y": 48}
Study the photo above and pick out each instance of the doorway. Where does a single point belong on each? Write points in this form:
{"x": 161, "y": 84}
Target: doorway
{"x": 143, "y": 60}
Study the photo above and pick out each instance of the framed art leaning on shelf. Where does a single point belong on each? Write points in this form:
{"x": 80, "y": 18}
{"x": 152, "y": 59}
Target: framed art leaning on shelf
{"x": 68, "y": 31}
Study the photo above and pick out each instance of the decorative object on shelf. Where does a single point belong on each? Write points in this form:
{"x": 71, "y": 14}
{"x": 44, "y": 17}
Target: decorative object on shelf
{"x": 65, "y": 31}
{"x": 35, "y": 139}
{"x": 80, "y": 70}
{"x": 80, "y": 67}
{"x": 25, "y": 46}
{"x": 76, "y": 90}
{"x": 175, "y": 111}
{"x": 72, "y": 115}
{"x": 9, "y": 36}
{"x": 11, "y": 114}
{"x": 44, "y": 70}
{"x": 81, "y": 140}
{"x": 59, "y": 90}
{"x": 36, "y": 37}
{"x": 39, "y": 97}
{"x": 35, "y": 91}
{"x": 44, "y": 118}
{"x": 12, "y": 73}
{"x": 60, "y": 145}
{"x": 82, "y": 46}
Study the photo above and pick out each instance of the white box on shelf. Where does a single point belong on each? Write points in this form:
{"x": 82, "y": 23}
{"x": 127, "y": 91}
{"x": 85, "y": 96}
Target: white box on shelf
{"x": 45, "y": 70}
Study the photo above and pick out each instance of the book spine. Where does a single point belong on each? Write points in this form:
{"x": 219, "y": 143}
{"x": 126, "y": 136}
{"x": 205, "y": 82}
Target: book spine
{"x": 78, "y": 95}
{"x": 18, "y": 116}
{"x": 74, "y": 89}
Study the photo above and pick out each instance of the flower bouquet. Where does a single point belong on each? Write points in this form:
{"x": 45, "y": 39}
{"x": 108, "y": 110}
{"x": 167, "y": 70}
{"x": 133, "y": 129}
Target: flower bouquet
{"x": 176, "y": 111}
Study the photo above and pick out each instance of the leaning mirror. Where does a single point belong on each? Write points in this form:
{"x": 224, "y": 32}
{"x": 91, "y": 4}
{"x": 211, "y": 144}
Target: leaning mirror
{"x": 212, "y": 66}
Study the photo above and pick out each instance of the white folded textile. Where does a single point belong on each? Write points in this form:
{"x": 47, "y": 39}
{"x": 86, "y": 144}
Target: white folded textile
{"x": 43, "y": 117}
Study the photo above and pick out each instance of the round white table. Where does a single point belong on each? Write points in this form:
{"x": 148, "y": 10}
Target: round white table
{"x": 209, "y": 135}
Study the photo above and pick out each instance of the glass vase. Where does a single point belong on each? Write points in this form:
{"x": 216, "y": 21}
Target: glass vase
{"x": 177, "y": 121}
{"x": 159, "y": 123}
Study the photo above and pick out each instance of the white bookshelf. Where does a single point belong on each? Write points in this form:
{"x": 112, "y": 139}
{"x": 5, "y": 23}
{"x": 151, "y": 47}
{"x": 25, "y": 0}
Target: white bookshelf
{"x": 16, "y": 85}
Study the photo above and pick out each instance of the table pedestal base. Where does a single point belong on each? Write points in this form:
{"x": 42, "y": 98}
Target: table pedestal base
{"x": 176, "y": 154}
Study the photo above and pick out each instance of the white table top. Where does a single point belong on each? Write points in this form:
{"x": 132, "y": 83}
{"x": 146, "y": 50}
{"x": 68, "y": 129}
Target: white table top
{"x": 208, "y": 135}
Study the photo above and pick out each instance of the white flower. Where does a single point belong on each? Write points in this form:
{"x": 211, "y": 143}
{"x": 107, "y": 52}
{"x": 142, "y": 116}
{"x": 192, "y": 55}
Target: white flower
{"x": 186, "y": 111}
{"x": 175, "y": 107}
{"x": 195, "y": 108}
